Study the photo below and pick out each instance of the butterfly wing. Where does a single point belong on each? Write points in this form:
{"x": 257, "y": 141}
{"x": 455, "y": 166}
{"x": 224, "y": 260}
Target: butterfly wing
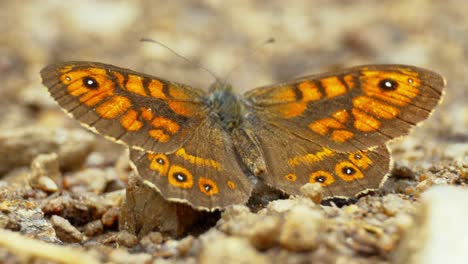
{"x": 352, "y": 109}
{"x": 204, "y": 173}
{"x": 145, "y": 112}
{"x": 331, "y": 128}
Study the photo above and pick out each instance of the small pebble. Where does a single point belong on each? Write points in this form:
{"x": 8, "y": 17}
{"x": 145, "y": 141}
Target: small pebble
{"x": 93, "y": 228}
{"x": 126, "y": 239}
{"x": 66, "y": 231}
{"x": 301, "y": 229}
{"x": 229, "y": 250}
{"x": 110, "y": 217}
{"x": 314, "y": 191}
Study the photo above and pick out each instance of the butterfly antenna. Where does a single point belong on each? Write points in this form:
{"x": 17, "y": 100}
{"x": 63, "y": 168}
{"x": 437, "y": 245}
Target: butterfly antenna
{"x": 251, "y": 52}
{"x": 190, "y": 62}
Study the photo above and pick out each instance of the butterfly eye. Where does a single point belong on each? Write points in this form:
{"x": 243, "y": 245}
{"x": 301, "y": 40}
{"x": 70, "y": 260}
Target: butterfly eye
{"x": 160, "y": 161}
{"x": 90, "y": 82}
{"x": 388, "y": 85}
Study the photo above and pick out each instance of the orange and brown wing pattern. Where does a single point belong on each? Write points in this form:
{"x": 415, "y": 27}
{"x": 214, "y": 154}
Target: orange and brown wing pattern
{"x": 143, "y": 111}
{"x": 351, "y": 109}
{"x": 203, "y": 173}
{"x": 293, "y": 161}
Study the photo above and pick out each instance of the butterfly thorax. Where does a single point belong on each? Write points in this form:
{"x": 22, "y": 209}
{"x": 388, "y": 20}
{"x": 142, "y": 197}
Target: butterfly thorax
{"x": 226, "y": 104}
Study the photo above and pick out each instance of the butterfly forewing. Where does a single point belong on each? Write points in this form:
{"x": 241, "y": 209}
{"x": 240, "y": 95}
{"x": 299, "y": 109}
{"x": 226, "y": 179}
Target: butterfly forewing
{"x": 145, "y": 112}
{"x": 351, "y": 109}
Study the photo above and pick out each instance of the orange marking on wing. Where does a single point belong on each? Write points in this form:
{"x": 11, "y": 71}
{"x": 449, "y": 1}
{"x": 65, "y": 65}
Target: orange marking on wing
{"x": 284, "y": 94}
{"x": 290, "y": 177}
{"x": 375, "y": 107}
{"x": 310, "y": 92}
{"x": 400, "y": 96}
{"x": 76, "y": 89}
{"x": 360, "y": 159}
{"x": 66, "y": 69}
{"x": 179, "y": 176}
{"x": 135, "y": 85}
{"x": 322, "y": 126}
{"x": 156, "y": 89}
{"x": 159, "y": 163}
{"x": 94, "y": 97}
{"x": 341, "y": 115}
{"x": 90, "y": 97}
{"x": 349, "y": 80}
{"x": 292, "y": 109}
{"x": 333, "y": 86}
{"x": 364, "y": 122}
{"x": 129, "y": 121}
{"x": 322, "y": 177}
{"x": 393, "y": 98}
{"x": 347, "y": 171}
{"x": 159, "y": 135}
{"x": 231, "y": 185}
{"x": 169, "y": 125}
{"x": 311, "y": 157}
{"x": 199, "y": 161}
{"x": 120, "y": 78}
{"x": 207, "y": 186}
{"x": 182, "y": 108}
{"x": 341, "y": 135}
{"x": 177, "y": 93}
{"x": 146, "y": 114}
{"x": 408, "y": 71}
{"x": 71, "y": 76}
{"x": 150, "y": 156}
{"x": 113, "y": 107}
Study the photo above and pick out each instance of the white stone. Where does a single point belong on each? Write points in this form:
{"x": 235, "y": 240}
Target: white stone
{"x": 440, "y": 230}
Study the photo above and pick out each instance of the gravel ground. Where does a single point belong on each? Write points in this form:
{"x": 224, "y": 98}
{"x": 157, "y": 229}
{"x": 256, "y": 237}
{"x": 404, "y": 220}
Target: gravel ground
{"x": 63, "y": 188}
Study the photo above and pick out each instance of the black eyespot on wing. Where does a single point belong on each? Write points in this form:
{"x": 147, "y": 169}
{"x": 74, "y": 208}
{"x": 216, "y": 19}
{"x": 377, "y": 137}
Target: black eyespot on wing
{"x": 320, "y": 179}
{"x": 348, "y": 170}
{"x": 180, "y": 177}
{"x": 388, "y": 85}
{"x": 90, "y": 83}
{"x": 207, "y": 187}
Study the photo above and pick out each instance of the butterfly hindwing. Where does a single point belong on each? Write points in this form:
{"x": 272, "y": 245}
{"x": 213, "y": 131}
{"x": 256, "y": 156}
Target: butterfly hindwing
{"x": 143, "y": 111}
{"x": 203, "y": 173}
{"x": 293, "y": 161}
{"x": 351, "y": 109}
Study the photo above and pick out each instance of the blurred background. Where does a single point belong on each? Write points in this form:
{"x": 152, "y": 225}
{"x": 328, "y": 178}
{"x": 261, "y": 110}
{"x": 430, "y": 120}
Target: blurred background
{"x": 311, "y": 37}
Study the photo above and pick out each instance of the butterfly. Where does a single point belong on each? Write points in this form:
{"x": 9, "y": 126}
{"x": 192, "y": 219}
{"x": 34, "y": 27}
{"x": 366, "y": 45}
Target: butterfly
{"x": 204, "y": 148}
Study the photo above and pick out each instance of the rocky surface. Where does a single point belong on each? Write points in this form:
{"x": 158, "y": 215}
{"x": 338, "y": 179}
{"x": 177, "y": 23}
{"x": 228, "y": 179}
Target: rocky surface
{"x": 62, "y": 188}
